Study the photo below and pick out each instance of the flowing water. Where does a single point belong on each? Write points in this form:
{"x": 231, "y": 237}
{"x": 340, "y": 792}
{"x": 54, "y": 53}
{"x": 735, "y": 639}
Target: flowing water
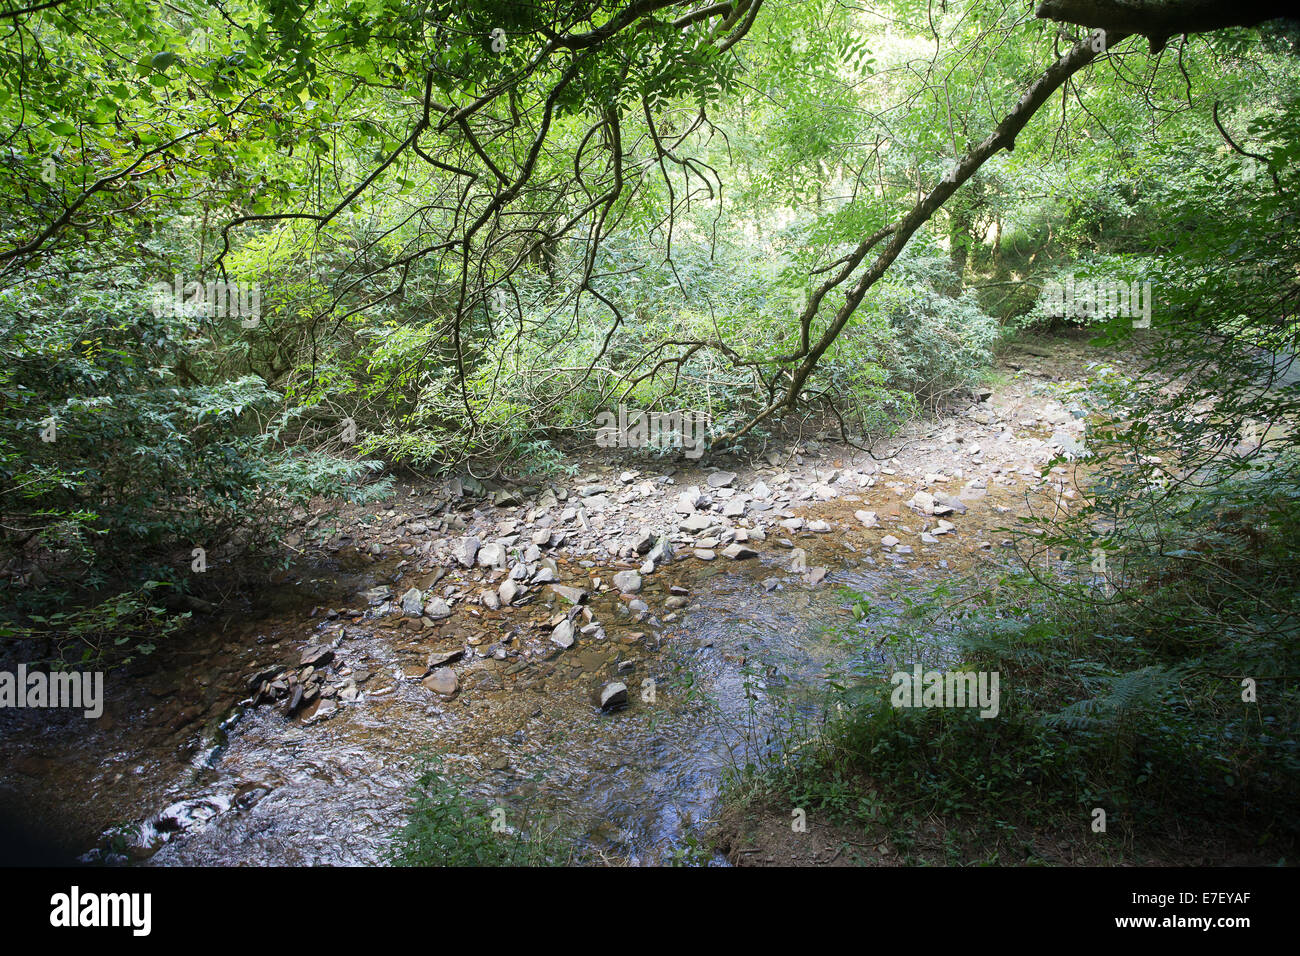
{"x": 633, "y": 784}
{"x": 193, "y": 776}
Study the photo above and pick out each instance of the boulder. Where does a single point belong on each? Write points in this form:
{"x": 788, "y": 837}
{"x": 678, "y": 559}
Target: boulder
{"x": 613, "y": 696}
{"x": 627, "y": 582}
{"x": 437, "y": 609}
{"x": 562, "y": 634}
{"x": 412, "y": 602}
{"x": 443, "y": 682}
{"x": 465, "y": 551}
{"x": 510, "y": 590}
{"x": 566, "y": 593}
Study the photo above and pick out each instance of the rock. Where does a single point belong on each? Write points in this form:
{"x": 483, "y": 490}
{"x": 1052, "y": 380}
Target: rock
{"x": 465, "y": 551}
{"x": 687, "y": 501}
{"x": 1067, "y": 443}
{"x": 442, "y": 658}
{"x": 792, "y": 524}
{"x": 320, "y": 710}
{"x": 738, "y": 552}
{"x": 760, "y": 490}
{"x": 771, "y": 584}
{"x": 950, "y": 502}
{"x": 798, "y": 560}
{"x": 889, "y": 541}
{"x": 696, "y": 522}
{"x": 721, "y": 479}
{"x": 490, "y": 600}
{"x": 923, "y": 502}
{"x": 613, "y": 696}
{"x": 815, "y": 576}
{"x": 943, "y": 527}
{"x": 868, "y": 519}
{"x": 704, "y": 554}
{"x": 492, "y": 556}
{"x": 819, "y": 526}
{"x": 542, "y": 537}
{"x": 510, "y": 590}
{"x": 377, "y": 595}
{"x": 314, "y": 655}
{"x": 662, "y": 551}
{"x": 566, "y": 593}
{"x": 506, "y": 499}
{"x": 735, "y": 508}
{"x": 437, "y": 609}
{"x": 627, "y": 582}
{"x": 562, "y": 634}
{"x": 644, "y": 541}
{"x": 443, "y": 682}
{"x": 412, "y": 602}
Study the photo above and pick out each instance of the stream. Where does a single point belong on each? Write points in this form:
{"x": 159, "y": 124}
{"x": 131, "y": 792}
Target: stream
{"x": 183, "y": 769}
{"x": 631, "y": 784}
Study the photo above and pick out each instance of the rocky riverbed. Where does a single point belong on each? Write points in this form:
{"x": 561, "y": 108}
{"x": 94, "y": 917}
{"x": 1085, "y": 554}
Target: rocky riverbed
{"x": 596, "y": 651}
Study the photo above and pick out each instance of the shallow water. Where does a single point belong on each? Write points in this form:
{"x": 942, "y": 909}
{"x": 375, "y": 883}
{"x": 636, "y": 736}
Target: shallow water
{"x": 632, "y": 784}
{"x": 205, "y": 781}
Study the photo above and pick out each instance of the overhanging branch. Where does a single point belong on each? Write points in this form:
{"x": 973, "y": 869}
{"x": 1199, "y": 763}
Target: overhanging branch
{"x": 1158, "y": 20}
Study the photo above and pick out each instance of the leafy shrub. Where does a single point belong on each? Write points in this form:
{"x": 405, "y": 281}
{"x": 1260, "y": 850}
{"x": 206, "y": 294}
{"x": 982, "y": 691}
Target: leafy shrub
{"x": 446, "y": 827}
{"x": 122, "y": 450}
